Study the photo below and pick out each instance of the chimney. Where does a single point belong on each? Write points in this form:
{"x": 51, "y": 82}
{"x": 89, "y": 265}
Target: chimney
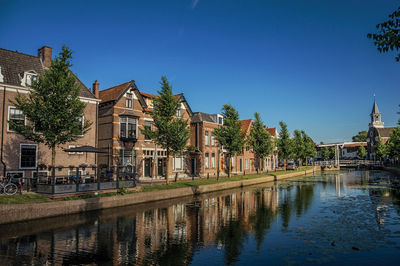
{"x": 96, "y": 89}
{"x": 44, "y": 54}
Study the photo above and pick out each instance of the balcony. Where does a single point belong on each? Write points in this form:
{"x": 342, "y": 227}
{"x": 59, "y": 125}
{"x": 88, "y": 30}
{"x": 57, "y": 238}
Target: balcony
{"x": 128, "y": 139}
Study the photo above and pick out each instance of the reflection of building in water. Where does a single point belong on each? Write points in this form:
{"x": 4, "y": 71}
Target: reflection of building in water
{"x": 337, "y": 184}
{"x": 139, "y": 237}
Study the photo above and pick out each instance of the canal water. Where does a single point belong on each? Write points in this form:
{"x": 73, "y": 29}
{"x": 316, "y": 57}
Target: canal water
{"x": 347, "y": 218}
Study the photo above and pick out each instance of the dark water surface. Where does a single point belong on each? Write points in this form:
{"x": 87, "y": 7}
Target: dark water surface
{"x": 335, "y": 218}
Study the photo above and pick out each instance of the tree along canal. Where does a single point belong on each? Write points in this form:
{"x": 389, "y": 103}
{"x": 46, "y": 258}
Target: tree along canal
{"x": 344, "y": 217}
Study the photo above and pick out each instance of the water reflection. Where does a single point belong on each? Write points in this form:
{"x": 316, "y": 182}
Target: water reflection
{"x": 177, "y": 232}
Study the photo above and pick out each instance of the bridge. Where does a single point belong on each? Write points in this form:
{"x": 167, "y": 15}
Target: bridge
{"x": 349, "y": 163}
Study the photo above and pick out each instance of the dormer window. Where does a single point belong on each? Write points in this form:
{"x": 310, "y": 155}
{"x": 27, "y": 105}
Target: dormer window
{"x": 28, "y": 78}
{"x": 179, "y": 113}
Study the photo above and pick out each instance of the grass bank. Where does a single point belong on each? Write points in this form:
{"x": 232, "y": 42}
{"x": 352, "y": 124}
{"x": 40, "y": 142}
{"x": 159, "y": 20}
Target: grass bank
{"x": 29, "y": 198}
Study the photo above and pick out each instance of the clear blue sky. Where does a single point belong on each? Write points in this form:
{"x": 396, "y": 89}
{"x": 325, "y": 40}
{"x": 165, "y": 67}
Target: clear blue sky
{"x": 307, "y": 63}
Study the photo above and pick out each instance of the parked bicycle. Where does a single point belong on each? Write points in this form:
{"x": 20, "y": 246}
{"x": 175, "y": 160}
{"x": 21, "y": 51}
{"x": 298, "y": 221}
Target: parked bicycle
{"x": 8, "y": 187}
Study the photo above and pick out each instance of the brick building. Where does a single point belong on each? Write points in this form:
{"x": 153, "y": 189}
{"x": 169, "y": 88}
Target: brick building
{"x": 20, "y": 156}
{"x": 209, "y": 157}
{"x": 122, "y": 111}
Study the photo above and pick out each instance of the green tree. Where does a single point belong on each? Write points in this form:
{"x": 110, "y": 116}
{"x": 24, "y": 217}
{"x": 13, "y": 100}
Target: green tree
{"x": 387, "y": 37}
{"x": 229, "y": 135}
{"x": 309, "y": 147}
{"x": 325, "y": 153}
{"x": 53, "y": 107}
{"x": 362, "y": 152}
{"x": 284, "y": 143}
{"x": 332, "y": 152}
{"x": 361, "y": 136}
{"x": 394, "y": 143}
{"x": 170, "y": 132}
{"x": 260, "y": 140}
{"x": 380, "y": 150}
{"x": 299, "y": 151}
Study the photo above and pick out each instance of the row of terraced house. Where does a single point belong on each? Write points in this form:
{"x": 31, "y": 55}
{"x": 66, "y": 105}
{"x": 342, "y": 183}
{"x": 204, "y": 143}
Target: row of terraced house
{"x": 117, "y": 114}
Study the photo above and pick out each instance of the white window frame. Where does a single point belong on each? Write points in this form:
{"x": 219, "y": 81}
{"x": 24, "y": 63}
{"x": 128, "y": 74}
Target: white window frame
{"x": 69, "y": 147}
{"x": 20, "y": 153}
{"x": 137, "y": 122}
{"x": 212, "y": 139}
{"x": 213, "y": 161}
{"x": 246, "y": 164}
{"x": 179, "y": 113}
{"x": 233, "y": 162}
{"x": 8, "y": 118}
{"x": 151, "y": 128}
{"x": 177, "y": 157}
{"x": 16, "y": 172}
{"x": 127, "y": 100}
{"x": 207, "y": 138}
{"x": 207, "y": 160}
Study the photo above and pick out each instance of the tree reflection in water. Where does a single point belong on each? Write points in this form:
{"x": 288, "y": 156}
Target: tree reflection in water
{"x": 175, "y": 232}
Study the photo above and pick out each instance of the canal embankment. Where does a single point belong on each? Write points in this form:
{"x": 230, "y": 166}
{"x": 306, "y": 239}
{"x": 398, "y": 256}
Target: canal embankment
{"x": 10, "y": 213}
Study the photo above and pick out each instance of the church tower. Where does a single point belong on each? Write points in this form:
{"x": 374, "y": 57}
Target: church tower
{"x": 376, "y": 117}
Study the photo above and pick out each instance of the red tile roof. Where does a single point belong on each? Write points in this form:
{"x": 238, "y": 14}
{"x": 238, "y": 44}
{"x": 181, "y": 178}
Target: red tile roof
{"x": 113, "y": 93}
{"x": 271, "y": 131}
{"x": 148, "y": 95}
{"x": 245, "y": 125}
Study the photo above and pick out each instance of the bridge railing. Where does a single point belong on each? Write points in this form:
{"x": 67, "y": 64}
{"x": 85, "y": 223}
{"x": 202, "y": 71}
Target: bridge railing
{"x": 348, "y": 163}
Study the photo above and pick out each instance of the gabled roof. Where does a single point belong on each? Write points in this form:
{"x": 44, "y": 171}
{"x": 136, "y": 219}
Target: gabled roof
{"x": 272, "y": 131}
{"x": 15, "y": 63}
{"x": 245, "y": 125}
{"x": 113, "y": 93}
{"x": 199, "y": 117}
{"x": 384, "y": 132}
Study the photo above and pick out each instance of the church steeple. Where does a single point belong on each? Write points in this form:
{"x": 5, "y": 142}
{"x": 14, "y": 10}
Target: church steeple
{"x": 376, "y": 117}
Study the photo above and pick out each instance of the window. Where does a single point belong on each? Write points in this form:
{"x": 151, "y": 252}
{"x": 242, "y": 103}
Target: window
{"x": 179, "y": 113}
{"x": 147, "y": 124}
{"x": 128, "y": 157}
{"x": 220, "y": 121}
{"x": 178, "y": 162}
{"x": 247, "y": 148}
{"x": 16, "y": 116}
{"x": 246, "y": 164}
{"x": 212, "y": 139}
{"x": 30, "y": 79}
{"x": 81, "y": 121}
{"x": 213, "y": 161}
{"x": 128, "y": 102}
{"x": 207, "y": 138}
{"x": 28, "y": 155}
{"x": 127, "y": 127}
{"x": 233, "y": 162}
{"x": 207, "y": 160}
{"x": 72, "y": 153}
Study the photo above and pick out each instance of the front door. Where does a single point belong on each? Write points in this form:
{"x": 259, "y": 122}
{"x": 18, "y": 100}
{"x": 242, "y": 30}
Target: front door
{"x": 160, "y": 167}
{"x": 147, "y": 167}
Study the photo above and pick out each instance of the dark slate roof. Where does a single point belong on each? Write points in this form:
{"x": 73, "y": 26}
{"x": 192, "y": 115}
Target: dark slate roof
{"x": 375, "y": 109}
{"x": 384, "y": 132}
{"x": 14, "y": 63}
{"x": 202, "y": 117}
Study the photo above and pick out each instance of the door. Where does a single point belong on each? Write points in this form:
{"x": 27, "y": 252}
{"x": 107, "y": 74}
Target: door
{"x": 147, "y": 167}
{"x": 241, "y": 168}
{"x": 160, "y": 167}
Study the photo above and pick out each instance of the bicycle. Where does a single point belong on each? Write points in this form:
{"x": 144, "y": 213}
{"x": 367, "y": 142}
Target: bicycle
{"x": 8, "y": 187}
